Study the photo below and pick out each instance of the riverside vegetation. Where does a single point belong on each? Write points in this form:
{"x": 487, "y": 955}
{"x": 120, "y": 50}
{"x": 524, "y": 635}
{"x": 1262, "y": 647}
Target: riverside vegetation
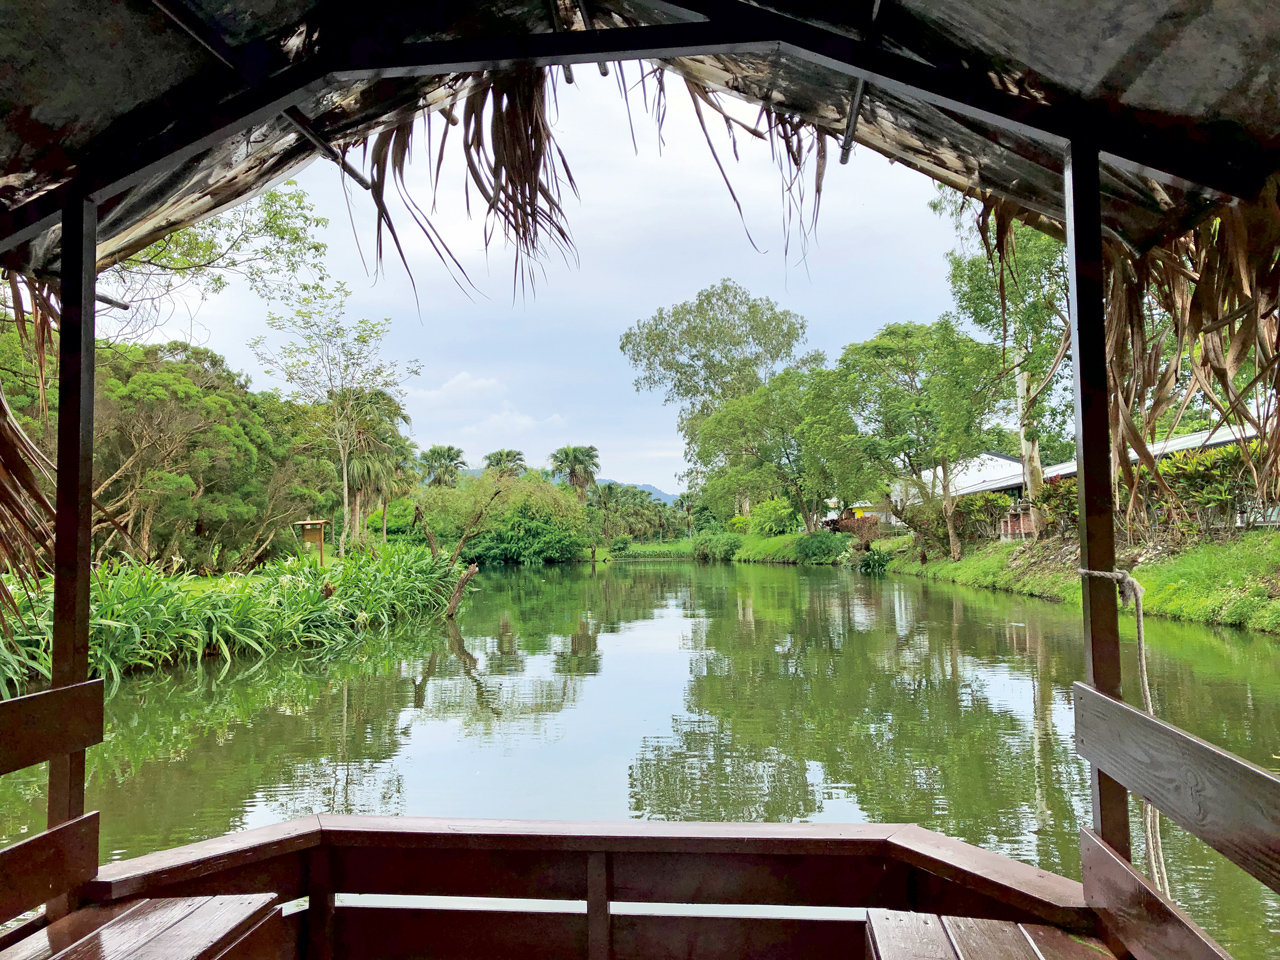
{"x": 143, "y": 618}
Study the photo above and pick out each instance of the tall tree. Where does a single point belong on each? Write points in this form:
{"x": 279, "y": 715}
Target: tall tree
{"x": 506, "y": 462}
{"x": 442, "y": 465}
{"x": 922, "y": 398}
{"x": 578, "y": 465}
{"x": 335, "y": 369}
{"x": 767, "y": 440}
{"x": 722, "y": 344}
{"x": 1021, "y": 301}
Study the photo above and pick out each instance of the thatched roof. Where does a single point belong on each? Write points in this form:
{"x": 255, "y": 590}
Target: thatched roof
{"x": 84, "y": 81}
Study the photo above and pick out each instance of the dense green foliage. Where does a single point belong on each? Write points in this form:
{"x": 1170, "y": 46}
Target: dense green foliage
{"x": 143, "y": 618}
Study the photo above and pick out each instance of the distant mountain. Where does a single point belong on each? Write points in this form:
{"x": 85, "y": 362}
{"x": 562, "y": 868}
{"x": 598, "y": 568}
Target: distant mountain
{"x": 647, "y": 488}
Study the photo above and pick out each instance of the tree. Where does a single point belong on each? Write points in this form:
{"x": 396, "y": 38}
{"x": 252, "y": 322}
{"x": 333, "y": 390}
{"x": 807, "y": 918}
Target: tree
{"x": 505, "y": 462}
{"x": 578, "y": 465}
{"x": 1022, "y": 302}
{"x": 335, "y": 370}
{"x": 766, "y": 440}
{"x": 442, "y": 465}
{"x": 721, "y": 345}
{"x": 922, "y": 398}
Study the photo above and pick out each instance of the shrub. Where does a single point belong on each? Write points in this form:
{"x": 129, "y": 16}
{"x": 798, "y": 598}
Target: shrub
{"x": 874, "y": 562}
{"x": 619, "y": 546}
{"x": 772, "y": 518}
{"x": 978, "y": 515}
{"x": 821, "y": 547}
{"x": 1058, "y": 503}
{"x": 739, "y": 524}
{"x": 716, "y": 545}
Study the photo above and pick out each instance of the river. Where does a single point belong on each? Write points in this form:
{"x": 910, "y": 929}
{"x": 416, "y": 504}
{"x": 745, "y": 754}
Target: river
{"x": 679, "y": 691}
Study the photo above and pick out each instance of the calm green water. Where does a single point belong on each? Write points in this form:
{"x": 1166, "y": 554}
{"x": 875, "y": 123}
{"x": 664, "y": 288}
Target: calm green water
{"x": 683, "y": 692}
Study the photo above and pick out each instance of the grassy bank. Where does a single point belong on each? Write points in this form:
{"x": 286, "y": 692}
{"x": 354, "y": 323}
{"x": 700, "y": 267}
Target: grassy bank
{"x": 1236, "y": 583}
{"x": 143, "y": 618}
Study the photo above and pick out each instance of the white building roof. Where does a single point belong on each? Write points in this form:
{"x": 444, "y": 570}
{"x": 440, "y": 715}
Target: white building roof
{"x": 1011, "y": 478}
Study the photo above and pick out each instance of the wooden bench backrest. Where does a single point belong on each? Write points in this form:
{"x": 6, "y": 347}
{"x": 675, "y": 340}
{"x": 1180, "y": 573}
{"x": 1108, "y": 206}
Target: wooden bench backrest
{"x": 1229, "y": 803}
{"x": 42, "y": 726}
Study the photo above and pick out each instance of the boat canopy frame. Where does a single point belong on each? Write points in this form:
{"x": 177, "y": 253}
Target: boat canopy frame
{"x": 1233, "y": 805}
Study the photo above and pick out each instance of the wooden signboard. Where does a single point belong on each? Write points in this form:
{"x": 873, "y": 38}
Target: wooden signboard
{"x": 312, "y": 531}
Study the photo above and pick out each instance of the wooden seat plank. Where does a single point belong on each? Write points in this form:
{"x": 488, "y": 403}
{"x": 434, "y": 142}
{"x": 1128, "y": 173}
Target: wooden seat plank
{"x": 1055, "y": 944}
{"x": 975, "y": 939}
{"x": 51, "y": 940}
{"x": 208, "y": 930}
{"x": 127, "y": 933}
{"x": 899, "y": 935}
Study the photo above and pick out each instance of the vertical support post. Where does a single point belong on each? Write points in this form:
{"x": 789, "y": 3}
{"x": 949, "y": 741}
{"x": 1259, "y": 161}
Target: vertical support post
{"x": 74, "y": 499}
{"x": 1093, "y": 460}
{"x": 598, "y": 934}
{"x": 321, "y": 905}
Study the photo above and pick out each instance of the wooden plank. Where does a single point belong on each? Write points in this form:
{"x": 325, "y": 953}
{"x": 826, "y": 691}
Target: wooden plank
{"x": 975, "y": 939}
{"x": 598, "y": 938}
{"x": 388, "y": 933}
{"x": 208, "y": 930}
{"x": 41, "y": 725}
{"x": 902, "y": 935}
{"x": 1229, "y": 803}
{"x": 1083, "y": 207}
{"x": 609, "y": 836}
{"x": 129, "y": 932}
{"x": 276, "y": 938}
{"x": 551, "y": 874}
{"x": 735, "y": 938}
{"x": 1150, "y": 925}
{"x": 851, "y": 880}
{"x": 1056, "y": 944}
{"x": 55, "y": 937}
{"x": 167, "y": 869}
{"x": 1040, "y": 894}
{"x": 48, "y": 865}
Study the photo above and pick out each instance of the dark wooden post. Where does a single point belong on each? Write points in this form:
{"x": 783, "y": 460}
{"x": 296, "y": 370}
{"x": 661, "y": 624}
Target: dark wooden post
{"x": 599, "y": 942}
{"x": 1093, "y": 460}
{"x": 71, "y": 549}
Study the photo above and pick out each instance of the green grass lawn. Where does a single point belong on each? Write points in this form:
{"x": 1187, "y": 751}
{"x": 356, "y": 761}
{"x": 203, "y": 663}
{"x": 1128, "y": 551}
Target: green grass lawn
{"x": 1236, "y": 582}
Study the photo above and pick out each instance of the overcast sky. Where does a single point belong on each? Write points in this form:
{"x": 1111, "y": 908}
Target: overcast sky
{"x": 652, "y": 227}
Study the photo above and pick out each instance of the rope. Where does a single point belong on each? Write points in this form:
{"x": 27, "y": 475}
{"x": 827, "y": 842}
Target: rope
{"x": 1131, "y": 591}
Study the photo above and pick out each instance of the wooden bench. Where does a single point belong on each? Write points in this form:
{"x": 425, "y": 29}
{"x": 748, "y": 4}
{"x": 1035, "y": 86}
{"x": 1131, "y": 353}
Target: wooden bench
{"x": 898, "y": 935}
{"x": 233, "y": 927}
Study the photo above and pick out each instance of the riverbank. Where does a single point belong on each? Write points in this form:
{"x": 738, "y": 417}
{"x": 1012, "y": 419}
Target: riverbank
{"x": 143, "y": 618}
{"x": 1234, "y": 584}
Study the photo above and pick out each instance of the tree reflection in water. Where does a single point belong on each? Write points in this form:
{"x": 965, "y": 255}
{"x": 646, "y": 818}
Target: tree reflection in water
{"x": 680, "y": 691}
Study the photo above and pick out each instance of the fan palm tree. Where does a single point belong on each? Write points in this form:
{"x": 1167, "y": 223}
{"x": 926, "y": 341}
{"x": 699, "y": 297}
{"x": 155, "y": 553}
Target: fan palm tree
{"x": 578, "y": 465}
{"x": 442, "y": 465}
{"x": 505, "y": 463}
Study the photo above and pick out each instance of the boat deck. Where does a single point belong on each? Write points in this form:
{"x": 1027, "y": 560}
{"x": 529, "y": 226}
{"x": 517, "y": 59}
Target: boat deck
{"x": 328, "y": 887}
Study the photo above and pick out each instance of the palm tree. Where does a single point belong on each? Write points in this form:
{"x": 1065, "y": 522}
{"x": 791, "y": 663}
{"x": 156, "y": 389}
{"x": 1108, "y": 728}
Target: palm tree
{"x": 505, "y": 463}
{"x": 442, "y": 464}
{"x": 578, "y": 465}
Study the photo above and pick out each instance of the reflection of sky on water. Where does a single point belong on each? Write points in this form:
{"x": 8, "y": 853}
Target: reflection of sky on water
{"x": 567, "y": 766}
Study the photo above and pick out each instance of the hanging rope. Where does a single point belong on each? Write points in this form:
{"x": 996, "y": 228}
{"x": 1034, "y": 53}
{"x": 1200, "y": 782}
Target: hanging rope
{"x": 1131, "y": 591}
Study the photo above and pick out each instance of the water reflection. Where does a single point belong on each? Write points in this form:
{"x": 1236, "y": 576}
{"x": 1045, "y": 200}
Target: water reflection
{"x": 675, "y": 691}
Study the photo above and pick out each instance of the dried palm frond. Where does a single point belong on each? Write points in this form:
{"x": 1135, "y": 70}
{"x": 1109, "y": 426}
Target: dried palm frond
{"x": 1193, "y": 317}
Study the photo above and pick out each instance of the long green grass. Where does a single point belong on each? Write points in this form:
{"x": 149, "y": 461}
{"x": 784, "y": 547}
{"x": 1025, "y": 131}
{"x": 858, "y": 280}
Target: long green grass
{"x": 658, "y": 550}
{"x": 143, "y": 619}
